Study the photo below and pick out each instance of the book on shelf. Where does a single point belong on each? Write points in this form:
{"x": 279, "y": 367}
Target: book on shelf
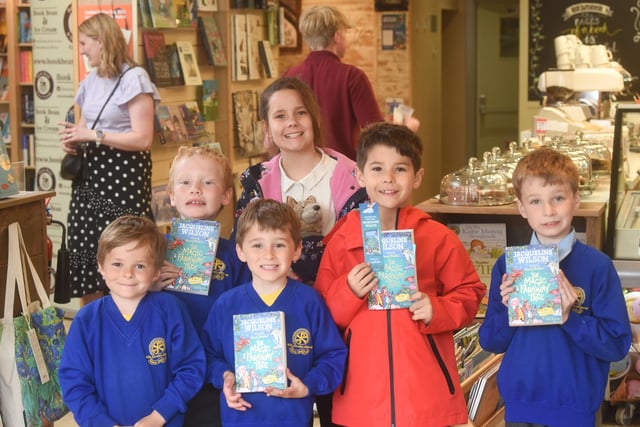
{"x": 255, "y": 33}
{"x": 163, "y": 13}
{"x": 192, "y": 120}
{"x": 24, "y": 21}
{"x": 273, "y": 31}
{"x": 163, "y": 212}
{"x": 178, "y": 121}
{"x": 192, "y": 247}
{"x": 260, "y": 351}
{"x": 484, "y": 397}
{"x": 174, "y": 65}
{"x": 185, "y": 14}
{"x": 155, "y": 50}
{"x": 536, "y": 299}
{"x": 145, "y": 14}
{"x": 211, "y": 40}
{"x": 189, "y": 63}
{"x": 239, "y": 54}
{"x": 266, "y": 56}
{"x": 207, "y": 5}
{"x": 209, "y": 100}
{"x": 484, "y": 244}
{"x": 8, "y": 179}
{"x": 26, "y": 66}
{"x": 392, "y": 256}
{"x": 167, "y": 127}
{"x": 245, "y": 113}
{"x": 5, "y": 127}
{"x": 4, "y": 80}
{"x": 28, "y": 108}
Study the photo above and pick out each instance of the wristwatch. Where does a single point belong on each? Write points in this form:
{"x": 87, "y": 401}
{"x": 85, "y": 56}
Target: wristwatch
{"x": 99, "y": 137}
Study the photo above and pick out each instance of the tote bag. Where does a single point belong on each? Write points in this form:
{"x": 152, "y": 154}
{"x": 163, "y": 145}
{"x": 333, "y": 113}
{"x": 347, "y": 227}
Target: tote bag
{"x": 30, "y": 347}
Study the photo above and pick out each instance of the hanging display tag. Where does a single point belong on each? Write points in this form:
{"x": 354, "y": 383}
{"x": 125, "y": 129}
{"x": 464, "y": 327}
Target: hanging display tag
{"x": 38, "y": 356}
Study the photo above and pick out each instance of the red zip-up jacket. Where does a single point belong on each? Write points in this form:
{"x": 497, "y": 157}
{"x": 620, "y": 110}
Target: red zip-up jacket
{"x": 401, "y": 372}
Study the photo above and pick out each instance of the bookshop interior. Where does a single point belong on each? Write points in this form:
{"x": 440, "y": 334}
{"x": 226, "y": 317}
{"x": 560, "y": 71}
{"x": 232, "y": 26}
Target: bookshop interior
{"x": 488, "y": 80}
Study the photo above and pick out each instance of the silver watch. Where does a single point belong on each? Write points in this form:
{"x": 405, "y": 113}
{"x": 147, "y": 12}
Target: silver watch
{"x": 99, "y": 137}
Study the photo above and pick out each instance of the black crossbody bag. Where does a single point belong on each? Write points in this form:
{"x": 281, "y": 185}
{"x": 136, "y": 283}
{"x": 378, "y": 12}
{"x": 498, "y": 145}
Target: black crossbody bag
{"x": 76, "y": 166}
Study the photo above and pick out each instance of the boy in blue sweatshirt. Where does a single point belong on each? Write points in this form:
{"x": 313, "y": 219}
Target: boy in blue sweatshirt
{"x": 132, "y": 357}
{"x": 200, "y": 186}
{"x": 268, "y": 238}
{"x": 556, "y": 375}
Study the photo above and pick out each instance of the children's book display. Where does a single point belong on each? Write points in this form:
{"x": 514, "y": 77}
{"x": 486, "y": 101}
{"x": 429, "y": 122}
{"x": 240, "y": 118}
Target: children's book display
{"x": 536, "y": 299}
{"x": 266, "y": 56}
{"x": 8, "y": 181}
{"x": 163, "y": 13}
{"x": 484, "y": 243}
{"x": 392, "y": 256}
{"x": 260, "y": 350}
{"x": 155, "y": 51}
{"x": 212, "y": 41}
{"x": 245, "y": 114}
{"x": 189, "y": 64}
{"x": 192, "y": 120}
{"x": 192, "y": 247}
{"x": 209, "y": 100}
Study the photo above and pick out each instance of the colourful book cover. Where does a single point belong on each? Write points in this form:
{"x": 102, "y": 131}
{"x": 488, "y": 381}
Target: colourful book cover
{"x": 155, "y": 50}
{"x": 8, "y": 179}
{"x": 169, "y": 129}
{"x": 484, "y": 243}
{"x": 260, "y": 348}
{"x": 536, "y": 299}
{"x": 397, "y": 279}
{"x": 209, "y": 100}
{"x": 192, "y": 120}
{"x": 189, "y": 64}
{"x": 255, "y": 33}
{"x": 174, "y": 65}
{"x": 192, "y": 247}
{"x": 163, "y": 13}
{"x": 212, "y": 41}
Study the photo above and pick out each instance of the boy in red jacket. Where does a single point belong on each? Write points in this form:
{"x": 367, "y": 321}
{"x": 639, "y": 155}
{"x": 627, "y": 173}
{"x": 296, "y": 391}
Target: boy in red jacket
{"x": 401, "y": 368}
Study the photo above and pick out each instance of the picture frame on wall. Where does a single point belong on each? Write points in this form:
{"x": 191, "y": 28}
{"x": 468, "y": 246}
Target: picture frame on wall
{"x": 387, "y": 5}
{"x": 290, "y": 38}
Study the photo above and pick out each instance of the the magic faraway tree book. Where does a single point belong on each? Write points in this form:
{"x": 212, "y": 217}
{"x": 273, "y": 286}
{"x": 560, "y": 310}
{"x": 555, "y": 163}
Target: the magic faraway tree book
{"x": 536, "y": 299}
{"x": 260, "y": 351}
{"x": 192, "y": 247}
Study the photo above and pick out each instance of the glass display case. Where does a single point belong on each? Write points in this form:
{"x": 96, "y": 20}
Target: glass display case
{"x": 622, "y": 241}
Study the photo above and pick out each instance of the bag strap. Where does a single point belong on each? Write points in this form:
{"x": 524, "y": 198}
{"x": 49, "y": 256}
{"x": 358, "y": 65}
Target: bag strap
{"x": 93, "y": 126}
{"x": 17, "y": 260}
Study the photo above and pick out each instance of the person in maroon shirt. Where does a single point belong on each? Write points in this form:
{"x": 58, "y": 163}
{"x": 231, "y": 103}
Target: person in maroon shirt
{"x": 346, "y": 97}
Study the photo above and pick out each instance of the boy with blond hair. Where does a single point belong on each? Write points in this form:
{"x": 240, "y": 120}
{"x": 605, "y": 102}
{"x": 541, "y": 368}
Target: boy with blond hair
{"x": 200, "y": 186}
{"x": 401, "y": 368}
{"x": 556, "y": 375}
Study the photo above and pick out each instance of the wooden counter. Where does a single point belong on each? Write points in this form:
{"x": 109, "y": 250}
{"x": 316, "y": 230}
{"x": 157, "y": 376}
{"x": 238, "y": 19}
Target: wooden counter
{"x": 27, "y": 208}
{"x": 590, "y": 219}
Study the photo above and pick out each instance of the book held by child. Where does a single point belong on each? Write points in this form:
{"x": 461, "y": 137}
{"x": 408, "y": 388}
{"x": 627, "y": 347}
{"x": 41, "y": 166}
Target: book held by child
{"x": 536, "y": 299}
{"x": 260, "y": 351}
{"x": 192, "y": 247}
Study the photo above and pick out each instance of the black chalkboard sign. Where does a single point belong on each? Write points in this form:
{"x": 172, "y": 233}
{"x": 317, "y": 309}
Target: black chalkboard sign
{"x": 614, "y": 23}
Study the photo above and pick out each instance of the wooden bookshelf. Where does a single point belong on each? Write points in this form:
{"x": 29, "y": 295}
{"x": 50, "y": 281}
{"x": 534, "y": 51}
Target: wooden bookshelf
{"x": 18, "y": 89}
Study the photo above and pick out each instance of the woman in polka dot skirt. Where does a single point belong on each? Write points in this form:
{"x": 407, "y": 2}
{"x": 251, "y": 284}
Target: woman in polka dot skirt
{"x": 119, "y": 161}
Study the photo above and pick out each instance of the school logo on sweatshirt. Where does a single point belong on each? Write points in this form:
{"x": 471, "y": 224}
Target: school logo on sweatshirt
{"x": 157, "y": 352}
{"x": 300, "y": 342}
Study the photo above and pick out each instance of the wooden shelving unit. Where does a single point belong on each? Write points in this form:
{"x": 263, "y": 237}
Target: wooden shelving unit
{"x": 223, "y": 129}
{"x": 17, "y": 89}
